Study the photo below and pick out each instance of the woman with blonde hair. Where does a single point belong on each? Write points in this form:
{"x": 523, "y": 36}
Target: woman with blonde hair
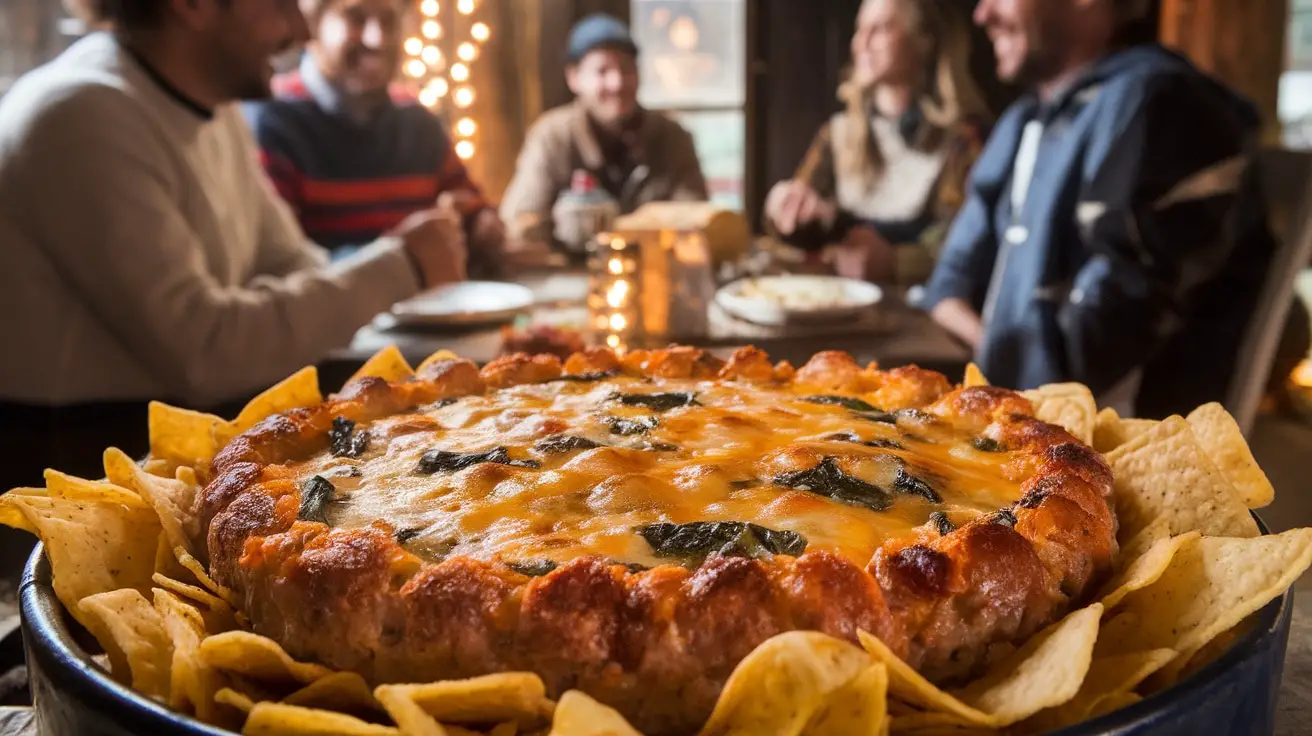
{"x": 885, "y": 177}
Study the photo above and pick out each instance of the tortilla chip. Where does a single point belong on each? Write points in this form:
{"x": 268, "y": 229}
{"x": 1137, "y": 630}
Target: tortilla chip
{"x": 299, "y": 390}
{"x": 1044, "y": 673}
{"x": 974, "y": 377}
{"x": 579, "y": 715}
{"x": 1139, "y": 545}
{"x": 1166, "y": 474}
{"x": 173, "y": 500}
{"x": 278, "y": 719}
{"x": 1145, "y": 570}
{"x": 194, "y": 566}
{"x": 345, "y": 692}
{"x": 406, "y": 713}
{"x": 1108, "y": 679}
{"x": 228, "y": 696}
{"x": 1221, "y": 437}
{"x": 94, "y": 547}
{"x": 508, "y": 696}
{"x": 859, "y": 708}
{"x": 258, "y": 658}
{"x": 183, "y": 436}
{"x": 11, "y": 515}
{"x": 133, "y": 635}
{"x": 193, "y": 683}
{"x": 1070, "y": 406}
{"x": 1210, "y": 586}
{"x": 60, "y": 485}
{"x": 783, "y": 683}
{"x": 387, "y": 364}
{"x": 438, "y": 357}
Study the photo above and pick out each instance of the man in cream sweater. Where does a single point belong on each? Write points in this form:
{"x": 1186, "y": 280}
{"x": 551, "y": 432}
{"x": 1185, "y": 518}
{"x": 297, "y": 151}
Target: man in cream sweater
{"x": 143, "y": 253}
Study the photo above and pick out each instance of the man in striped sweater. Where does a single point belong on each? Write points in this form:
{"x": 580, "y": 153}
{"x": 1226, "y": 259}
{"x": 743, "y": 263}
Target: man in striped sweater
{"x": 354, "y": 156}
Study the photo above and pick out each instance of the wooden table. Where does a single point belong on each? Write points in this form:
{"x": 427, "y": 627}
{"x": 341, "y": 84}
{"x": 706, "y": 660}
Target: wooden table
{"x": 897, "y": 336}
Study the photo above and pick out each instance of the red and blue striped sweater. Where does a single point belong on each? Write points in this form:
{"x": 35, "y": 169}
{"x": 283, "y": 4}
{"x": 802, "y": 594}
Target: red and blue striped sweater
{"x": 350, "y": 180}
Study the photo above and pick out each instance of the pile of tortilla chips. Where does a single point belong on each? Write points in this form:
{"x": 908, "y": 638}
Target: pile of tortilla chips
{"x": 1193, "y": 569}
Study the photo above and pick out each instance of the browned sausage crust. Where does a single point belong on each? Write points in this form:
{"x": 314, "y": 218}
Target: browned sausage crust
{"x": 509, "y": 519}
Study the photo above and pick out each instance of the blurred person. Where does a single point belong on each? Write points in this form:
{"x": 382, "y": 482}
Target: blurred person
{"x": 886, "y": 176}
{"x": 352, "y": 154}
{"x": 1114, "y": 232}
{"x": 635, "y": 155}
{"x": 145, "y": 254}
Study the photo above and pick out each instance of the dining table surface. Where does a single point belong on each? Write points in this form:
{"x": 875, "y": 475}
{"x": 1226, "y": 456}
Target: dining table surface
{"x": 892, "y": 334}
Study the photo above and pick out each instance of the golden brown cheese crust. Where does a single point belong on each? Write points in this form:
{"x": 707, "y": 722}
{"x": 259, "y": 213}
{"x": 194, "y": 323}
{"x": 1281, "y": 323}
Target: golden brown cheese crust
{"x": 659, "y": 643}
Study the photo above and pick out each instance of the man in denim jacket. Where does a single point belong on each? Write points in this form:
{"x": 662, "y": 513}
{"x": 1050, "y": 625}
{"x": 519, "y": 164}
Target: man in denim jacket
{"x": 1114, "y": 233}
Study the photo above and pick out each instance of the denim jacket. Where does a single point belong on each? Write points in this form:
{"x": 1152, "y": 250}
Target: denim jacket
{"x": 1141, "y": 245}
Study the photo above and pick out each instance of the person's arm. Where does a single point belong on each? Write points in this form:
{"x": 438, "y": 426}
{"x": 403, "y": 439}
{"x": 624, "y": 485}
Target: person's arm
{"x": 960, "y": 280}
{"x": 526, "y": 205}
{"x": 1155, "y": 214}
{"x": 689, "y": 182}
{"x": 102, "y": 204}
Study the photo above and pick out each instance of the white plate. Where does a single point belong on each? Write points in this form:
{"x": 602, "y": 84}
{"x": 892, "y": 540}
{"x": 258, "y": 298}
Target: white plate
{"x": 468, "y": 303}
{"x": 777, "y": 300}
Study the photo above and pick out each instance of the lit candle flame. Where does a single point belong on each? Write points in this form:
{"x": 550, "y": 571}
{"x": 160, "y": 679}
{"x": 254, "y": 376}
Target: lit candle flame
{"x": 618, "y": 294}
{"x": 616, "y": 266}
{"x": 613, "y": 341}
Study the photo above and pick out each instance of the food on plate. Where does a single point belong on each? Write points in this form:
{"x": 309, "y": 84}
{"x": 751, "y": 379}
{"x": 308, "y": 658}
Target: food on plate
{"x": 662, "y": 542}
{"x": 794, "y": 293}
{"x": 561, "y": 342}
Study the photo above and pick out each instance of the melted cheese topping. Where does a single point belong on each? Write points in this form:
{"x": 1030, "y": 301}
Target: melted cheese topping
{"x": 730, "y": 447}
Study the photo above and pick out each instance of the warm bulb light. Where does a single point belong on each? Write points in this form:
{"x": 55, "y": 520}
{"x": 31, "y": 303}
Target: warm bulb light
{"x": 1303, "y": 374}
{"x": 480, "y": 32}
{"x": 618, "y": 322}
{"x": 467, "y": 51}
{"x": 416, "y": 68}
{"x": 428, "y": 97}
{"x": 618, "y": 294}
{"x": 432, "y": 55}
{"x": 464, "y": 97}
{"x": 466, "y": 127}
{"x": 432, "y": 29}
{"x": 414, "y": 46}
{"x": 616, "y": 266}
{"x": 439, "y": 87}
{"x": 613, "y": 341}
{"x": 459, "y": 72}
{"x": 465, "y": 149}
{"x": 430, "y": 8}
{"x": 465, "y": 6}
{"x": 617, "y": 244}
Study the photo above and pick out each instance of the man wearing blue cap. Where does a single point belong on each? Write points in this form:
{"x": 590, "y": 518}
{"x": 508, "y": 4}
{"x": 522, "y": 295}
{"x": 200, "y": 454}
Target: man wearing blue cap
{"x": 636, "y": 155}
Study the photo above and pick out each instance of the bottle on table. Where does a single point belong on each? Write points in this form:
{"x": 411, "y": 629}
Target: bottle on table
{"x": 583, "y": 212}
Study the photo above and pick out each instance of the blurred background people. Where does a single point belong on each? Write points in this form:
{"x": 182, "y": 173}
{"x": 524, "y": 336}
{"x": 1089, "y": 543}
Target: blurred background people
{"x": 352, "y": 153}
{"x": 634, "y": 155}
{"x": 885, "y": 177}
{"x": 145, "y": 254}
{"x": 1114, "y": 233}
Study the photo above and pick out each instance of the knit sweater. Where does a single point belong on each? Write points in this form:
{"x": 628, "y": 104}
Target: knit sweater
{"x": 350, "y": 178}
{"x": 145, "y": 253}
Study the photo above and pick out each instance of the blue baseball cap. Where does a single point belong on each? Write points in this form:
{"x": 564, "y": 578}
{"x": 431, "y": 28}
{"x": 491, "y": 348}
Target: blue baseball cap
{"x": 599, "y": 31}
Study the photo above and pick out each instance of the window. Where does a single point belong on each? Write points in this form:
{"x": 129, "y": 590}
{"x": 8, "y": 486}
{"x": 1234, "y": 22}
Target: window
{"x": 1296, "y": 83}
{"x": 693, "y": 66}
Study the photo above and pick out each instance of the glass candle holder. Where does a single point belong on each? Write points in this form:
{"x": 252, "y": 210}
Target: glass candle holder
{"x": 614, "y": 291}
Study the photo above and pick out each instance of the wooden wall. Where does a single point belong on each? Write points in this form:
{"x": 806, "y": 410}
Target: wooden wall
{"x": 1240, "y": 41}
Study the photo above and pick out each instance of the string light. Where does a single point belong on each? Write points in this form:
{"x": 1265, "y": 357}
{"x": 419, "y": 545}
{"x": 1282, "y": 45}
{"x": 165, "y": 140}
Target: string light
{"x": 439, "y": 82}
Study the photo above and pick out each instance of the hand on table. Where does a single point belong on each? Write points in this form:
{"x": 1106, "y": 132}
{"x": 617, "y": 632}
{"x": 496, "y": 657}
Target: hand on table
{"x": 867, "y": 256}
{"x": 793, "y": 204}
{"x": 488, "y": 233}
{"x": 435, "y": 242}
